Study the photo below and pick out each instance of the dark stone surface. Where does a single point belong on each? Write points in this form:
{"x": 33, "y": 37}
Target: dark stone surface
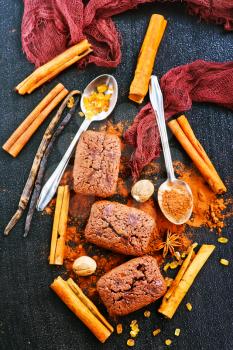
{"x": 31, "y": 316}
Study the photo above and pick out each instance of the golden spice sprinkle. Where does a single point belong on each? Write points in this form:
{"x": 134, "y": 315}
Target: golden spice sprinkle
{"x": 119, "y": 328}
{"x": 168, "y": 342}
{"x": 134, "y": 328}
{"x": 174, "y": 265}
{"x": 133, "y": 334}
{"x": 189, "y": 306}
{"x": 98, "y": 101}
{"x": 102, "y": 88}
{"x": 168, "y": 281}
{"x": 177, "y": 332}
{"x": 147, "y": 313}
{"x": 166, "y": 267}
{"x": 70, "y": 102}
{"x": 156, "y": 332}
{"x": 224, "y": 262}
{"x": 223, "y": 240}
{"x": 130, "y": 342}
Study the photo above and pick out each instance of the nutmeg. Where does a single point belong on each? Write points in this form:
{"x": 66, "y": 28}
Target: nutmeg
{"x": 84, "y": 266}
{"x": 142, "y": 190}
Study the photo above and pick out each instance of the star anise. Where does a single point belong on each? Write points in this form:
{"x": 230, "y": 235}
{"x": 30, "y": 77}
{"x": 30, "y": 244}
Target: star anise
{"x": 172, "y": 241}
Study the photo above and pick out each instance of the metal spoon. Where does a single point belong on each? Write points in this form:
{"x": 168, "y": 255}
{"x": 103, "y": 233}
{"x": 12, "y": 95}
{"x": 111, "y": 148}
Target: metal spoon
{"x": 156, "y": 99}
{"x": 51, "y": 185}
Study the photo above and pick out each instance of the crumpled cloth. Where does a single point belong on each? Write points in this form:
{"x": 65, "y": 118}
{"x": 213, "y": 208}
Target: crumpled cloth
{"x": 50, "y": 26}
{"x": 199, "y": 81}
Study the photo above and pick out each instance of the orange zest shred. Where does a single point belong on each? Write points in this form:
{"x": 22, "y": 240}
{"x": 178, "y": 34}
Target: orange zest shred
{"x": 98, "y": 101}
{"x": 119, "y": 328}
{"x": 156, "y": 332}
{"x": 130, "y": 342}
{"x": 189, "y": 306}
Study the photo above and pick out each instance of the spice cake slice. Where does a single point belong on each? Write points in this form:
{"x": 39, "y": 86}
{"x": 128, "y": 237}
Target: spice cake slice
{"x": 96, "y": 164}
{"x": 120, "y": 228}
{"x": 131, "y": 286}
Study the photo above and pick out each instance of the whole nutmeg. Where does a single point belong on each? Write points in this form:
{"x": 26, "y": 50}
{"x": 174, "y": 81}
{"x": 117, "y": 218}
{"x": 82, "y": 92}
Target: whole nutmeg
{"x": 84, "y": 266}
{"x": 142, "y": 190}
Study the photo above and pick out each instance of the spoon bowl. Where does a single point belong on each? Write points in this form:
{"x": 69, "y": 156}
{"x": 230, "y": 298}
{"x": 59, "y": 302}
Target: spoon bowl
{"x": 179, "y": 185}
{"x": 111, "y": 82}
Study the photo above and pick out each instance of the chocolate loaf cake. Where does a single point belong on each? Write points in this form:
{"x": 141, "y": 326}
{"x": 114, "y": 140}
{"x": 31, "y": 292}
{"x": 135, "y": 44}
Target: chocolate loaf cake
{"x": 131, "y": 286}
{"x": 120, "y": 228}
{"x": 96, "y": 164}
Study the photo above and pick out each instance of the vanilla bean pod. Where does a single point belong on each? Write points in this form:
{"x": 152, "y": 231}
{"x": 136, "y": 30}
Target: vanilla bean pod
{"x": 40, "y": 175}
{"x": 24, "y": 199}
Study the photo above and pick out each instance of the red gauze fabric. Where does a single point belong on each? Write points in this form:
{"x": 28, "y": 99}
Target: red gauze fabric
{"x": 199, "y": 81}
{"x": 50, "y": 26}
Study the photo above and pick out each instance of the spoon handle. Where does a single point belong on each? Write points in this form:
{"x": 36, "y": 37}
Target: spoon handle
{"x": 50, "y": 187}
{"x": 156, "y": 99}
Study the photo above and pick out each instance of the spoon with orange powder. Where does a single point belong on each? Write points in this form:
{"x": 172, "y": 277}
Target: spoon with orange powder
{"x": 174, "y": 196}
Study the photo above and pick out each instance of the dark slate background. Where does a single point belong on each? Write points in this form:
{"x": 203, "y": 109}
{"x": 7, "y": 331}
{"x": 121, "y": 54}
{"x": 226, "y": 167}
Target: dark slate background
{"x": 31, "y": 316}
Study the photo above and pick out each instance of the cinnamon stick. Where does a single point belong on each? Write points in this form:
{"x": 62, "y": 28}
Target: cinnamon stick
{"x": 181, "y": 272}
{"x": 91, "y": 306}
{"x": 59, "y": 226}
{"x": 54, "y": 67}
{"x": 170, "y": 304}
{"x": 196, "y": 152}
{"x": 140, "y": 84}
{"x": 82, "y": 311}
{"x": 186, "y": 127}
{"x": 28, "y": 127}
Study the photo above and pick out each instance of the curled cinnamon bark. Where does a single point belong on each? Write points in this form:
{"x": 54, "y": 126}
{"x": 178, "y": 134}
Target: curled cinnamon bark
{"x": 146, "y": 58}
{"x": 184, "y": 134}
{"x": 83, "y": 308}
{"x": 49, "y": 70}
{"x": 28, "y": 127}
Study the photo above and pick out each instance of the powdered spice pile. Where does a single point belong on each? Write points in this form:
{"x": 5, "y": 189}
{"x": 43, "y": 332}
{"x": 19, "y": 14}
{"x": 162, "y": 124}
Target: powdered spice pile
{"x": 209, "y": 209}
{"x": 176, "y": 202}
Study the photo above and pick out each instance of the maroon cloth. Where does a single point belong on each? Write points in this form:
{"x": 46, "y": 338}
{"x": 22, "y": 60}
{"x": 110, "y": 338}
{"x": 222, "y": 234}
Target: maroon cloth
{"x": 144, "y": 137}
{"x": 50, "y": 26}
{"x": 199, "y": 81}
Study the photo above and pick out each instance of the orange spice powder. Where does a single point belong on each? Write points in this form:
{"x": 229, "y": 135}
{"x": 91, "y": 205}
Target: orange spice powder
{"x": 176, "y": 202}
{"x": 208, "y": 208}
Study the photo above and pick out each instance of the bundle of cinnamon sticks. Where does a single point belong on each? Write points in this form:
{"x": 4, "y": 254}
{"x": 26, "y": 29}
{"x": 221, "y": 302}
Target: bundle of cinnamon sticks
{"x": 28, "y": 127}
{"x": 59, "y": 226}
{"x": 54, "y": 67}
{"x": 182, "y": 130}
{"x": 184, "y": 279}
{"x": 70, "y": 293}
